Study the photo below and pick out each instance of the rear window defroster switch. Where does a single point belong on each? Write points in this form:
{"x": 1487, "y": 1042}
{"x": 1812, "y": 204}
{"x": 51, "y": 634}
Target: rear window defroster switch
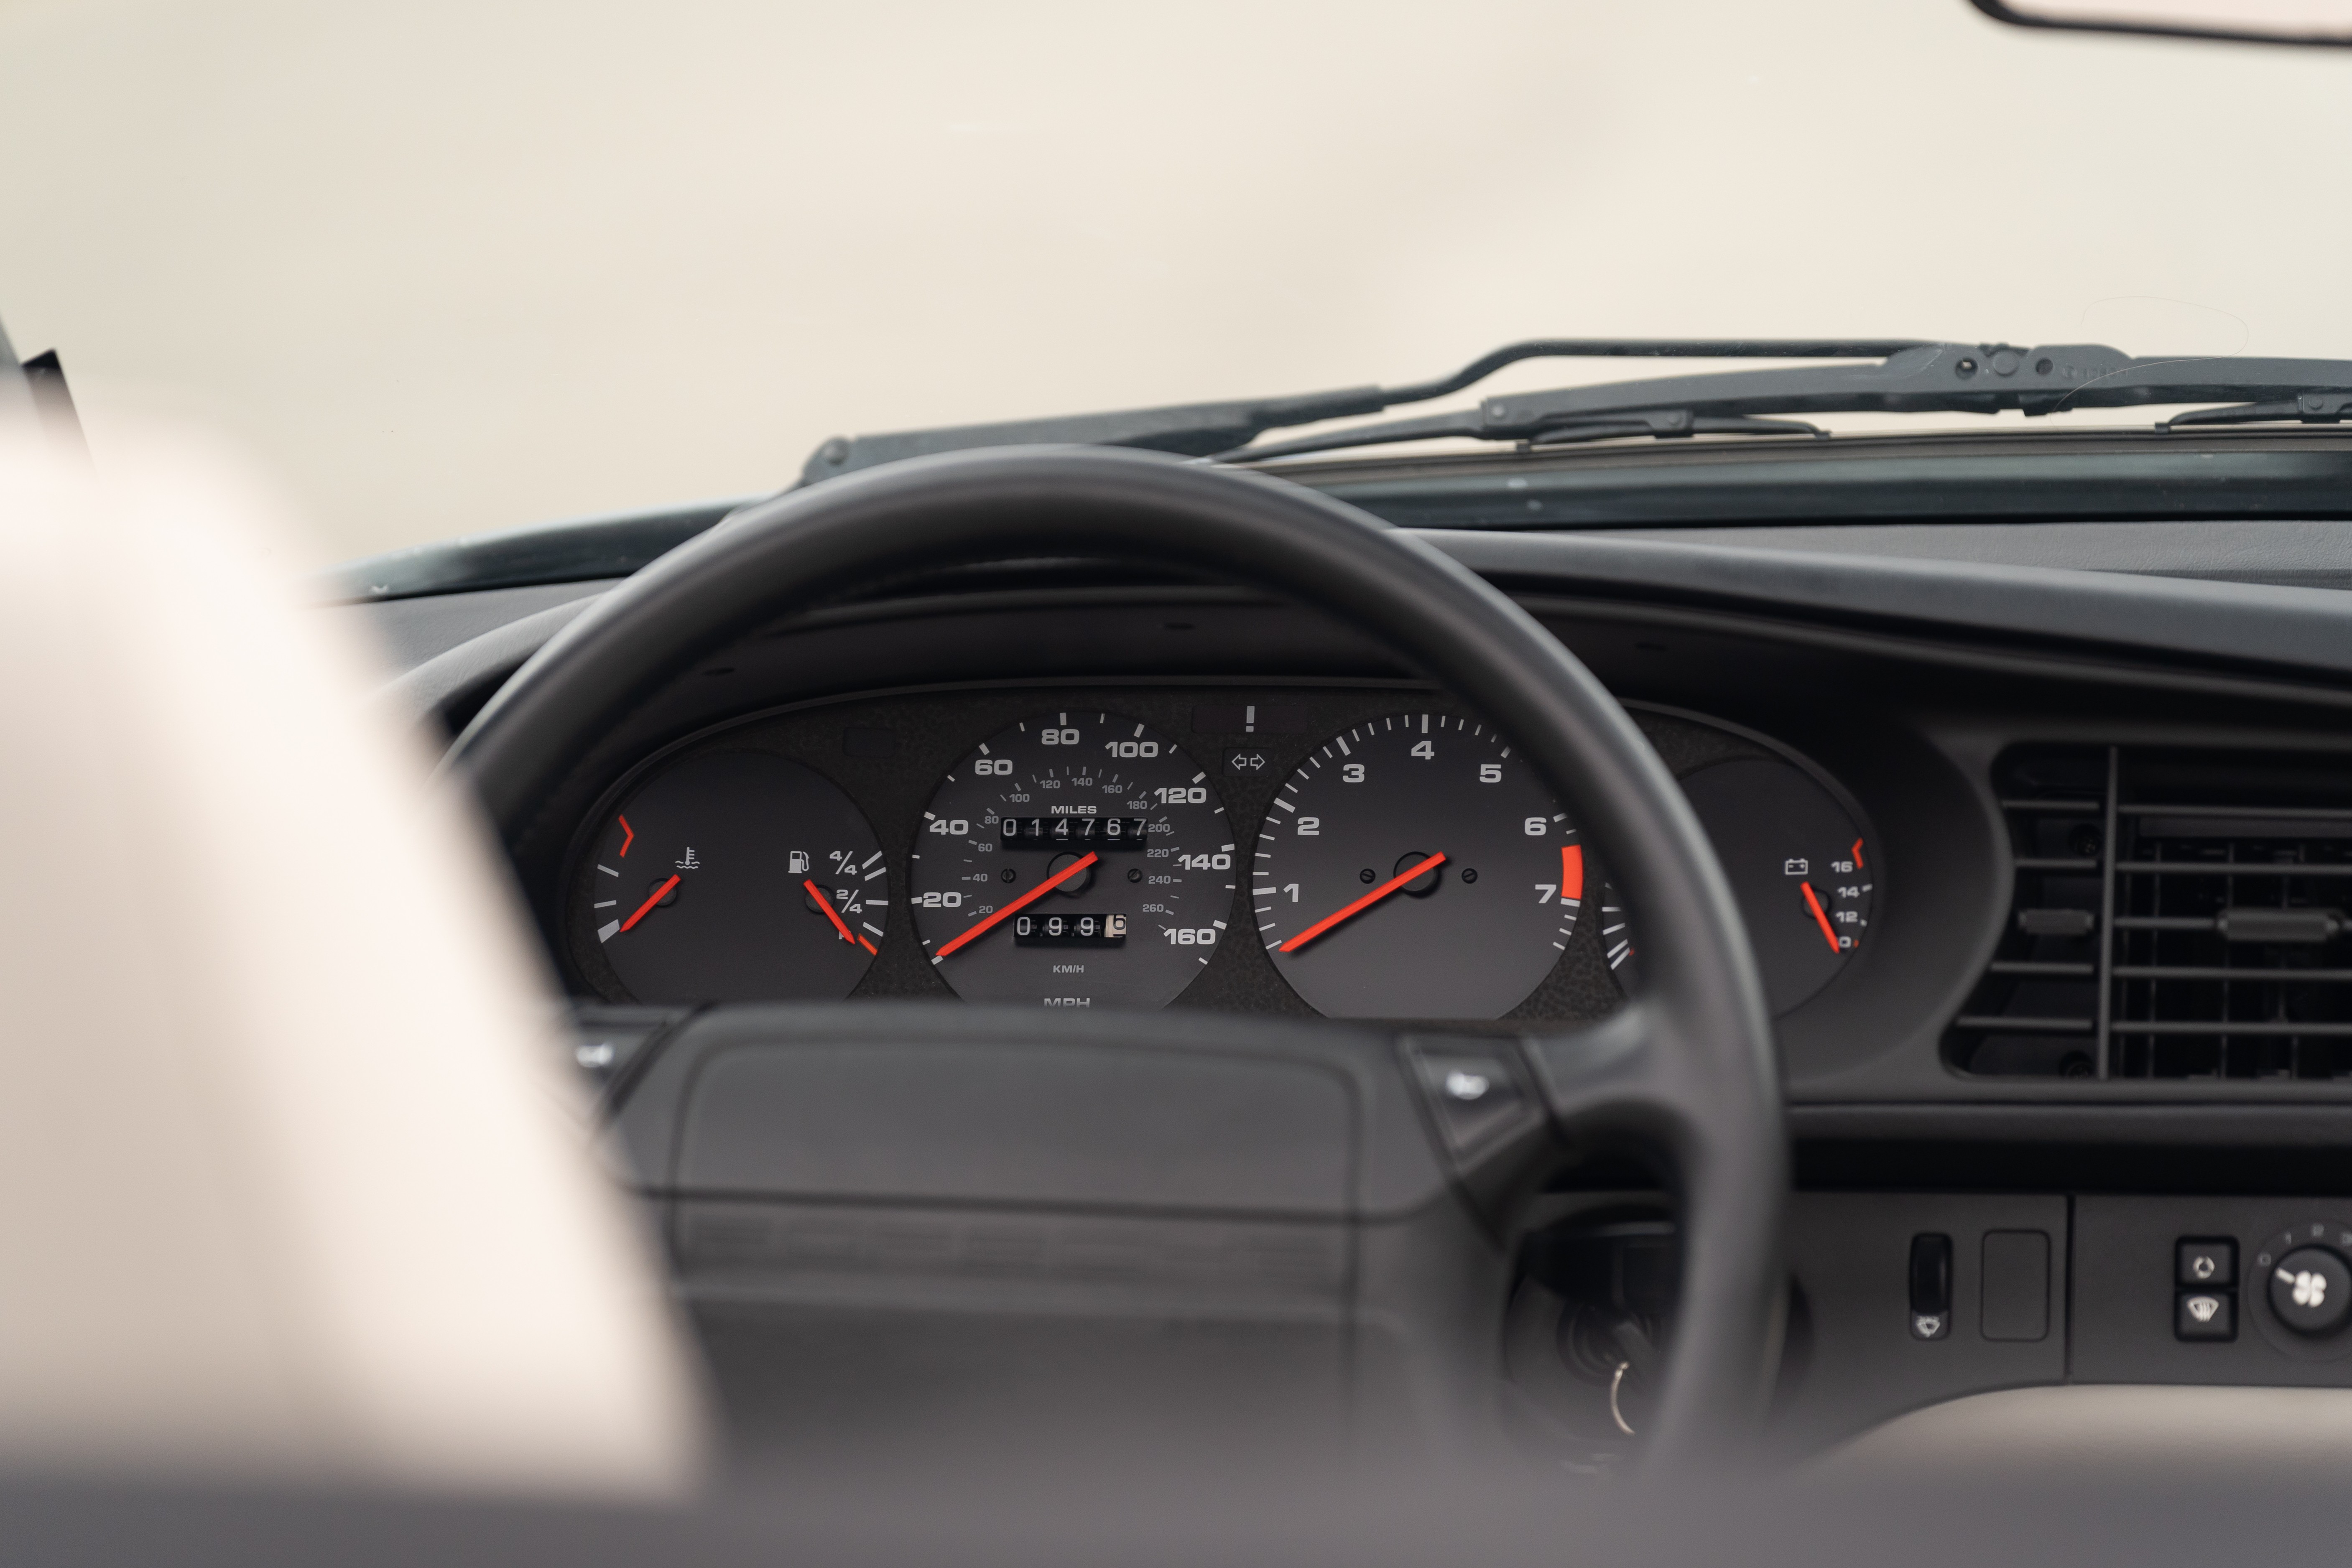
{"x": 1931, "y": 1287}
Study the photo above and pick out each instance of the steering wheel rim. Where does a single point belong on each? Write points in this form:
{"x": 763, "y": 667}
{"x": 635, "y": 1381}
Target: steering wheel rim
{"x": 1689, "y": 1068}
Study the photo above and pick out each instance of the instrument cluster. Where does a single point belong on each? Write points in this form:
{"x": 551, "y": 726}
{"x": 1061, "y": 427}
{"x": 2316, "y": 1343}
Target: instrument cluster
{"x": 1348, "y": 850}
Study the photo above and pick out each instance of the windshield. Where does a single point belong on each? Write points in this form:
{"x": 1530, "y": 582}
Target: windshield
{"x": 449, "y": 268}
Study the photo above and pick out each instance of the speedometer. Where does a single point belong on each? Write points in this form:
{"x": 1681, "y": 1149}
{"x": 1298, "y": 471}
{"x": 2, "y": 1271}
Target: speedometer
{"x": 1416, "y": 868}
{"x": 1073, "y": 860}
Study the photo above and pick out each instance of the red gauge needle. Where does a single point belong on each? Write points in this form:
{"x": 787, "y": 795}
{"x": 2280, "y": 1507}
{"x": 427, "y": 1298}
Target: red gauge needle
{"x": 1820, "y": 919}
{"x": 1017, "y": 905}
{"x": 825, "y": 904}
{"x": 647, "y": 908}
{"x": 1360, "y": 906}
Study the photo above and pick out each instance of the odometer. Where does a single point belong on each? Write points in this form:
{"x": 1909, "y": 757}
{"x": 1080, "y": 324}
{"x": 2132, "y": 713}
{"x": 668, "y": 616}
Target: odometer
{"x": 1073, "y": 860}
{"x": 1416, "y": 868}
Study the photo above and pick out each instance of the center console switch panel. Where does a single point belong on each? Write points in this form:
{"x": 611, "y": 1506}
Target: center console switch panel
{"x": 2254, "y": 1291}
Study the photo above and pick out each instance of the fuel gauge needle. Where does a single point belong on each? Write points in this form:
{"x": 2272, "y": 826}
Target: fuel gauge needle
{"x": 826, "y": 905}
{"x": 1360, "y": 906}
{"x": 647, "y": 908}
{"x": 1822, "y": 919}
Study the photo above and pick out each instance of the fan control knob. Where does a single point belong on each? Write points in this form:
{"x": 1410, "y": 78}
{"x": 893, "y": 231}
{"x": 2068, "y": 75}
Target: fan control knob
{"x": 2311, "y": 1289}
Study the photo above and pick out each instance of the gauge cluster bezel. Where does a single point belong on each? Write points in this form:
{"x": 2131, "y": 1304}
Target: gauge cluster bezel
{"x": 888, "y": 750}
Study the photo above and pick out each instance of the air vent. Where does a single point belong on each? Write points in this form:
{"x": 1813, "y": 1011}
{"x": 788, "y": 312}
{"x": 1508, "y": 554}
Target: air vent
{"x": 2178, "y": 914}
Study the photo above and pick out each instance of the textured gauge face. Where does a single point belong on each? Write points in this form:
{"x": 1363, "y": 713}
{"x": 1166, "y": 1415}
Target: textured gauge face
{"x": 1797, "y": 865}
{"x": 736, "y": 877}
{"x": 1076, "y": 859}
{"x": 1415, "y": 868}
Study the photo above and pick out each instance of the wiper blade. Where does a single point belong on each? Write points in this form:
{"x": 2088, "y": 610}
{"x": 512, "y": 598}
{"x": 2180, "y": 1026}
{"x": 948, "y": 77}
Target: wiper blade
{"x": 1207, "y": 429}
{"x": 1951, "y": 378}
{"x": 2311, "y": 408}
{"x": 1668, "y": 424}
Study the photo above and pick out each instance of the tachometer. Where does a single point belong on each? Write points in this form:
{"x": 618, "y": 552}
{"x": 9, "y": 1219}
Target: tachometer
{"x": 735, "y": 877}
{"x": 1416, "y": 868}
{"x": 1073, "y": 860}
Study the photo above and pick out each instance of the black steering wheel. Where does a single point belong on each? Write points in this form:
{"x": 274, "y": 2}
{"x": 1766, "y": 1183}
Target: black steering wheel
{"x": 1686, "y": 1071}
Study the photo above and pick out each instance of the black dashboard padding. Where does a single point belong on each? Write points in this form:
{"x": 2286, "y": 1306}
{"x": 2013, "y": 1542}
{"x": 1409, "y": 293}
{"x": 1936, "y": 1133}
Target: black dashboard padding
{"x": 1020, "y": 1124}
{"x": 2178, "y": 617}
{"x": 1709, "y": 1098}
{"x": 916, "y": 1101}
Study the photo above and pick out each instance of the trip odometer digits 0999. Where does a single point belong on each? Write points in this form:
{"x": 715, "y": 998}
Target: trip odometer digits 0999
{"x": 1073, "y": 860}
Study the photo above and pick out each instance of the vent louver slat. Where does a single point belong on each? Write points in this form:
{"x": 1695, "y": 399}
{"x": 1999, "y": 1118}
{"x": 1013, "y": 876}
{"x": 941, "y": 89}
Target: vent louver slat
{"x": 2178, "y": 914}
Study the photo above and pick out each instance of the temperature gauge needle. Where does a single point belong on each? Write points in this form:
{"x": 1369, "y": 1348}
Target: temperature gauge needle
{"x": 1017, "y": 905}
{"x": 1360, "y": 905}
{"x": 1820, "y": 919}
{"x": 647, "y": 908}
{"x": 824, "y": 905}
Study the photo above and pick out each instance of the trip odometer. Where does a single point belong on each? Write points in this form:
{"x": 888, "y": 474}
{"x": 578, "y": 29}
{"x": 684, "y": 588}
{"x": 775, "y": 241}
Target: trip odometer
{"x": 1073, "y": 860}
{"x": 1416, "y": 868}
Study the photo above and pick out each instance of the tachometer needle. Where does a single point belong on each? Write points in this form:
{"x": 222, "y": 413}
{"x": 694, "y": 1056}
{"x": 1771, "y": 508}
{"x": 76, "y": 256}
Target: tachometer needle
{"x": 1360, "y": 906}
{"x": 1017, "y": 905}
{"x": 826, "y": 905}
{"x": 647, "y": 908}
{"x": 1820, "y": 919}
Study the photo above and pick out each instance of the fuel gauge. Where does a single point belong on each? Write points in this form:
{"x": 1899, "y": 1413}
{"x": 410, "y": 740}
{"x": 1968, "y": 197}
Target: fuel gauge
{"x": 734, "y": 876}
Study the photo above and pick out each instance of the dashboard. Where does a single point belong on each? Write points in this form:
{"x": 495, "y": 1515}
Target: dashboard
{"x": 1959, "y": 805}
{"x": 1356, "y": 850}
{"x": 1898, "y": 712}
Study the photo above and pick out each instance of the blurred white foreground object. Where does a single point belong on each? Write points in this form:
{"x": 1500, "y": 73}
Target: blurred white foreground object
{"x": 287, "y": 1185}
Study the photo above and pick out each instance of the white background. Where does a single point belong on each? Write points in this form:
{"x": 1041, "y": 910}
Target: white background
{"x": 445, "y": 267}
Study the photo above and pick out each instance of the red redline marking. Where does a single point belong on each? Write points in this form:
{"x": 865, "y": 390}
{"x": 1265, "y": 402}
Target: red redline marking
{"x": 826, "y": 905}
{"x": 1857, "y": 857}
{"x": 1572, "y": 871}
{"x": 632, "y": 839}
{"x": 1017, "y": 905}
{"x": 1360, "y": 906}
{"x": 1822, "y": 919}
{"x": 658, "y": 895}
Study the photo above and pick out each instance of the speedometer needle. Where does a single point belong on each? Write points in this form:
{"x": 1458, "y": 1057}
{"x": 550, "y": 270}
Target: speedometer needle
{"x": 824, "y": 905}
{"x": 1360, "y": 906}
{"x": 1017, "y": 905}
{"x": 647, "y": 908}
{"x": 1820, "y": 919}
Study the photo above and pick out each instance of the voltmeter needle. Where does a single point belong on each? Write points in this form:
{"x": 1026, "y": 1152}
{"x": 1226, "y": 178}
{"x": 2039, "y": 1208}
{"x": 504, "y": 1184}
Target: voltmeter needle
{"x": 1821, "y": 917}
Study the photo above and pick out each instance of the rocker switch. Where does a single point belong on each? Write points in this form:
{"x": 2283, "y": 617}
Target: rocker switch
{"x": 1931, "y": 1287}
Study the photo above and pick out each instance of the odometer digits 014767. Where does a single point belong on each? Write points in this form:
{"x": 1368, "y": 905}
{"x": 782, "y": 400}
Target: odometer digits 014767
{"x": 1073, "y": 860}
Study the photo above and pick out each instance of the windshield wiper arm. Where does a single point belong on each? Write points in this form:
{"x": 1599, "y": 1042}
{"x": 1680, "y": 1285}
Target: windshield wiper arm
{"x": 1958, "y": 378}
{"x": 1206, "y": 429}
